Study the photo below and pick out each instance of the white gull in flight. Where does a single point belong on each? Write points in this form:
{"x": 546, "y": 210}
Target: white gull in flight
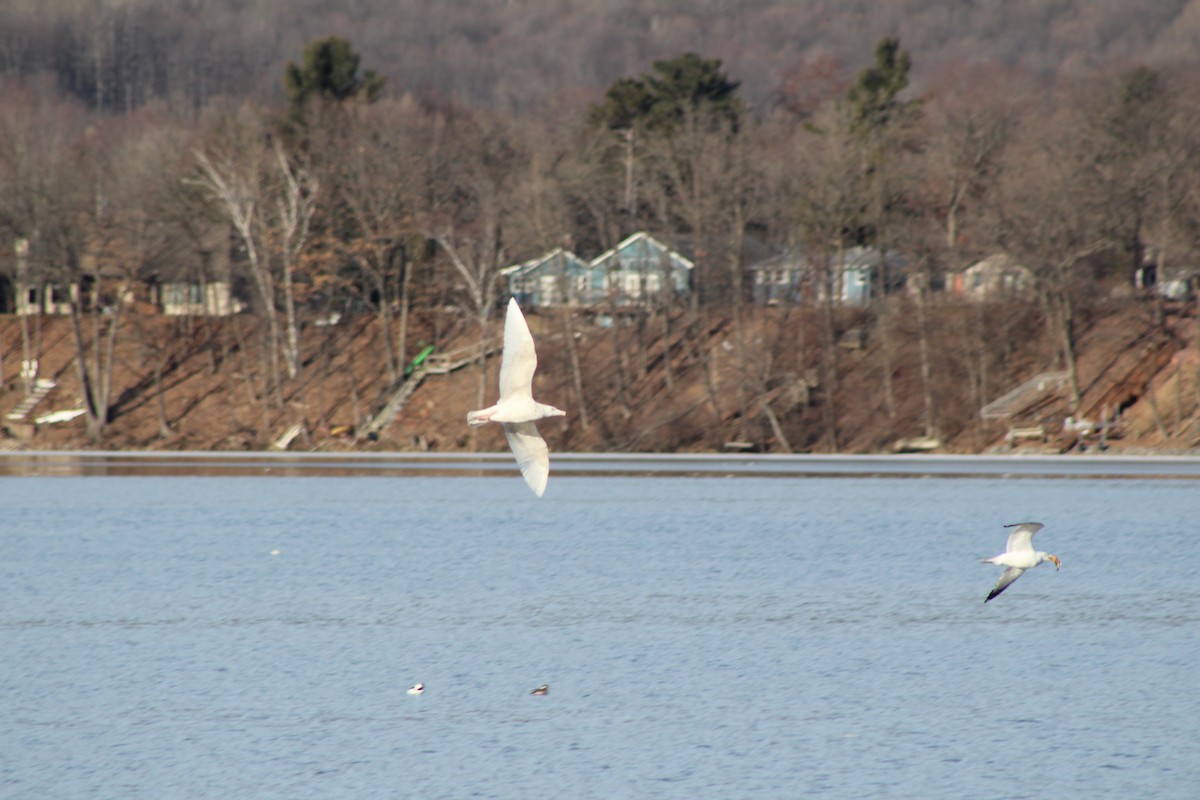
{"x": 1019, "y": 556}
{"x": 517, "y": 410}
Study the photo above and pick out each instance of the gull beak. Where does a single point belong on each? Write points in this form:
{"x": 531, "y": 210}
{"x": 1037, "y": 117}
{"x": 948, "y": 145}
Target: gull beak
{"x": 1057, "y": 563}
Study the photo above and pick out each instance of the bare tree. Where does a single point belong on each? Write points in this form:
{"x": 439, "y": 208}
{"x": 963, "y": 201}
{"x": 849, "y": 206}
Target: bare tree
{"x": 969, "y": 118}
{"x": 829, "y": 210}
{"x": 1051, "y": 221}
{"x": 40, "y": 134}
{"x": 379, "y": 172}
{"x": 82, "y": 215}
{"x": 694, "y": 185}
{"x": 294, "y": 211}
{"x": 544, "y": 217}
{"x": 268, "y": 199}
{"x": 470, "y": 230}
{"x": 1171, "y": 165}
{"x": 476, "y": 260}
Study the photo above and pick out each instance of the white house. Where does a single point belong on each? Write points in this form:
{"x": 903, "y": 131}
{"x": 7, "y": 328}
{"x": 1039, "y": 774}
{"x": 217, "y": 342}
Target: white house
{"x": 195, "y": 280}
{"x": 995, "y": 276}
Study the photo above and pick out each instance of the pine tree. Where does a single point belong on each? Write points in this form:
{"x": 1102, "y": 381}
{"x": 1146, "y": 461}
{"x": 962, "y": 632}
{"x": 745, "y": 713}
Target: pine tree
{"x": 329, "y": 71}
{"x": 872, "y": 98}
{"x": 660, "y": 99}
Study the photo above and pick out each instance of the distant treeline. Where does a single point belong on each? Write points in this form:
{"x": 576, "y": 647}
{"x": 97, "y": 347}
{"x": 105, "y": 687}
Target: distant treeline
{"x": 515, "y": 56}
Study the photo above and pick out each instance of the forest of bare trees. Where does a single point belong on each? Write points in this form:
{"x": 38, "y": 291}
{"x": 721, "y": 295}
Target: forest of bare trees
{"x": 517, "y": 57}
{"x": 129, "y": 132}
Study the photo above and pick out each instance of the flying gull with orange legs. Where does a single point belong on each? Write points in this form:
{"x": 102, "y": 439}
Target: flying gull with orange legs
{"x": 1019, "y": 556}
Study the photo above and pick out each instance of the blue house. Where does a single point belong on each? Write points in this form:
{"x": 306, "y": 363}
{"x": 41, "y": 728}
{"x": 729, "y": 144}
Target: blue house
{"x": 849, "y": 279}
{"x": 641, "y": 269}
{"x": 558, "y": 278}
{"x": 853, "y": 278}
{"x": 635, "y": 272}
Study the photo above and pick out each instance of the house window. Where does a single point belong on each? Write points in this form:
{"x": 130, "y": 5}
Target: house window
{"x": 549, "y": 290}
{"x": 181, "y": 294}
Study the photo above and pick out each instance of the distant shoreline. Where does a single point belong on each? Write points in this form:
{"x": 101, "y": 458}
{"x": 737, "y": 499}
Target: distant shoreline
{"x": 49, "y": 463}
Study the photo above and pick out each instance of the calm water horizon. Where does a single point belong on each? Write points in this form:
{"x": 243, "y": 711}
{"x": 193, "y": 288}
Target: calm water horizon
{"x": 799, "y": 635}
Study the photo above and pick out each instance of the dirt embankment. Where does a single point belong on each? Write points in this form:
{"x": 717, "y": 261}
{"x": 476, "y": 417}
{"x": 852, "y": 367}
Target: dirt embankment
{"x": 666, "y": 383}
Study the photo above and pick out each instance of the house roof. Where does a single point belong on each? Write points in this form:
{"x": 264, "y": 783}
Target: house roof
{"x": 534, "y": 263}
{"x": 194, "y": 254}
{"x": 995, "y": 264}
{"x": 643, "y": 240}
{"x": 854, "y": 258}
{"x": 793, "y": 260}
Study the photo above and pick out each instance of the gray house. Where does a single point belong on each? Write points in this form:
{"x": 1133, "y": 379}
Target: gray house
{"x": 558, "y": 278}
{"x": 849, "y": 278}
{"x": 780, "y": 279}
{"x": 641, "y": 269}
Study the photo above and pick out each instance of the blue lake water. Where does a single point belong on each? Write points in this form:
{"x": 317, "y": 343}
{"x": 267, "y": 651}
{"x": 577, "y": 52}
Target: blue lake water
{"x": 782, "y": 637}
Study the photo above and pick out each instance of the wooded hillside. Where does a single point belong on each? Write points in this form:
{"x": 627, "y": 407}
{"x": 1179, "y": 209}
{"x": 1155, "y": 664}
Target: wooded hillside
{"x": 640, "y": 393}
{"x": 520, "y": 56}
{"x": 211, "y": 160}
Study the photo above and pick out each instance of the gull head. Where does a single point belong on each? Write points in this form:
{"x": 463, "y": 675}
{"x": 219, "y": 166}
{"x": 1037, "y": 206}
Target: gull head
{"x": 1055, "y": 559}
{"x": 549, "y": 411}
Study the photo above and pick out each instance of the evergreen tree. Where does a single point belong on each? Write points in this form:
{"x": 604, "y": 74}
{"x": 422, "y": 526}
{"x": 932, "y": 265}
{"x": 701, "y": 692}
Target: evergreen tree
{"x": 879, "y": 124}
{"x": 330, "y": 71}
{"x": 660, "y": 99}
{"x": 626, "y": 102}
{"x": 872, "y": 98}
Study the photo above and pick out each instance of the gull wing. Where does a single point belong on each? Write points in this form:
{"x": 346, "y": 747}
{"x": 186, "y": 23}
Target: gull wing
{"x": 533, "y": 457}
{"x": 520, "y": 359}
{"x": 1021, "y": 540}
{"x": 1008, "y": 576}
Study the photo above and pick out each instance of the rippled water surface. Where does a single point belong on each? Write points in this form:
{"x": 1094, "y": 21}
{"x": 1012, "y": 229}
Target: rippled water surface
{"x": 252, "y": 637}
